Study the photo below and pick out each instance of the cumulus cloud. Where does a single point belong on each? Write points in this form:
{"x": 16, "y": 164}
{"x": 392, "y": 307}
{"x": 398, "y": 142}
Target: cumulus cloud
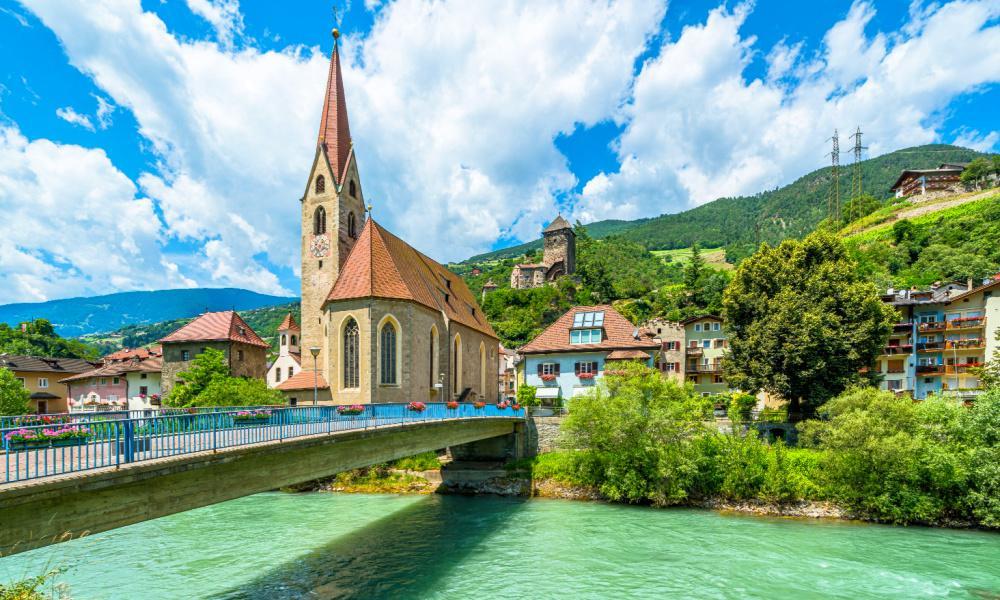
{"x": 697, "y": 129}
{"x": 223, "y": 15}
{"x": 70, "y": 115}
{"x": 73, "y": 224}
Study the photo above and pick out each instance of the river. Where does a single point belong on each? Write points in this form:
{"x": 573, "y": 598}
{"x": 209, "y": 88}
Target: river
{"x": 319, "y": 545}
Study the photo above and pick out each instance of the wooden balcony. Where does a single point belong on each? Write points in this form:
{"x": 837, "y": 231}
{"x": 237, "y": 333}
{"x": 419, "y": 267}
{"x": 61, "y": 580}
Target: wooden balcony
{"x": 693, "y": 351}
{"x": 963, "y": 369}
{"x": 930, "y": 370}
{"x": 899, "y": 349}
{"x": 935, "y": 326}
{"x": 970, "y": 344}
{"x": 967, "y": 323}
{"x": 712, "y": 367}
{"x": 930, "y": 346}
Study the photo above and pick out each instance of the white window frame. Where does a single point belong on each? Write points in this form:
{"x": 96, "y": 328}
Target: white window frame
{"x": 589, "y": 366}
{"x": 716, "y": 326}
{"x": 697, "y": 327}
{"x": 548, "y": 368}
{"x": 43, "y": 382}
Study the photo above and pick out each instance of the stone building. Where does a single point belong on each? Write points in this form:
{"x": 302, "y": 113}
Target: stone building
{"x": 246, "y": 352}
{"x": 670, "y": 336}
{"x": 558, "y": 257}
{"x": 391, "y": 325}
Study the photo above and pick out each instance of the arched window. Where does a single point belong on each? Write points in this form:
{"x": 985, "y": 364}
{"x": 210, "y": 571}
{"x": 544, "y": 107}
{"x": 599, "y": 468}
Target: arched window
{"x": 387, "y": 354}
{"x": 482, "y": 370}
{"x": 352, "y": 226}
{"x": 283, "y": 340}
{"x": 456, "y": 364}
{"x": 352, "y": 189}
{"x": 319, "y": 221}
{"x": 433, "y": 358}
{"x": 320, "y": 184}
{"x": 294, "y": 340}
{"x": 351, "y": 354}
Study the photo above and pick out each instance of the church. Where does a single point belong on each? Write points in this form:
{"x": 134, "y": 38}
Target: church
{"x": 386, "y": 322}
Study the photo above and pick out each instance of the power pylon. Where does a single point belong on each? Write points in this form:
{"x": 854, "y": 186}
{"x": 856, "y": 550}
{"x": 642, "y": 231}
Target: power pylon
{"x": 857, "y": 189}
{"x": 833, "y": 203}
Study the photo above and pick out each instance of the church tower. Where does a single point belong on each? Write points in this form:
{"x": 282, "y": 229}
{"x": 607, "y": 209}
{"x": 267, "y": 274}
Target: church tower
{"x": 333, "y": 210}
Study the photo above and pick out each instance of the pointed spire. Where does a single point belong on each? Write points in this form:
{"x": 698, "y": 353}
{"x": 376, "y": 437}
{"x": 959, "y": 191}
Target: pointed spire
{"x": 334, "y": 132}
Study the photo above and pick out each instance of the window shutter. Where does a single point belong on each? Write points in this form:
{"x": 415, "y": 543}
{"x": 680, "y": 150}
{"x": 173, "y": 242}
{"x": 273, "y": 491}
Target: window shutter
{"x": 677, "y": 367}
{"x": 576, "y": 368}
{"x": 539, "y": 369}
{"x": 555, "y": 368}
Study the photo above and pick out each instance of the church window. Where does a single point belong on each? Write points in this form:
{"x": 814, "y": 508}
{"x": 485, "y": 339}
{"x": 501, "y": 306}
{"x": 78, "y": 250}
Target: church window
{"x": 482, "y": 370}
{"x": 456, "y": 365}
{"x": 277, "y": 375}
{"x": 320, "y": 184}
{"x": 294, "y": 340}
{"x": 352, "y": 226}
{"x": 387, "y": 354}
{"x": 433, "y": 358}
{"x": 351, "y": 354}
{"x": 319, "y": 221}
{"x": 284, "y": 340}
{"x": 352, "y": 189}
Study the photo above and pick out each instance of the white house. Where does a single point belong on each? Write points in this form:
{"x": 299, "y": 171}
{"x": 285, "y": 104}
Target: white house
{"x": 289, "y": 361}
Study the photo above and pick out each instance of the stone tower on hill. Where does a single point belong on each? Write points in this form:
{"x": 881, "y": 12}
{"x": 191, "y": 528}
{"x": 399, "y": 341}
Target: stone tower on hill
{"x": 333, "y": 208}
{"x": 558, "y": 258}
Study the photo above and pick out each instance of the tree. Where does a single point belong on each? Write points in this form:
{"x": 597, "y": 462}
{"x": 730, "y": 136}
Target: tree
{"x": 694, "y": 271}
{"x": 802, "y": 322}
{"x": 860, "y": 206}
{"x": 206, "y": 367}
{"x": 238, "y": 391}
{"x": 14, "y": 398}
{"x": 640, "y": 428}
{"x": 979, "y": 169}
{"x": 526, "y": 395}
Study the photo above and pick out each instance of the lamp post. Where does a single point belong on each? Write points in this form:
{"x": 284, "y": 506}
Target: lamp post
{"x": 315, "y": 352}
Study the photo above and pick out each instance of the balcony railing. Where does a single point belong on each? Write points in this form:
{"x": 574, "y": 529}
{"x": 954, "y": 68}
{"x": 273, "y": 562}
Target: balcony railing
{"x": 967, "y": 323}
{"x": 712, "y": 367}
{"x": 934, "y": 326}
{"x": 694, "y": 351}
{"x": 902, "y": 326}
{"x": 970, "y": 344}
{"x": 900, "y": 349}
{"x": 961, "y": 369}
{"x": 930, "y": 346}
{"x": 930, "y": 369}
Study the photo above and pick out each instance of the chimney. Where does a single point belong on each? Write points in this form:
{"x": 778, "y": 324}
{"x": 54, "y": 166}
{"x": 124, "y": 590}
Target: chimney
{"x": 890, "y": 292}
{"x": 968, "y": 283}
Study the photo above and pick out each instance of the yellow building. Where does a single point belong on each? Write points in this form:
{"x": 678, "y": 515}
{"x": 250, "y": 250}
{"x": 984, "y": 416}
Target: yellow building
{"x": 42, "y": 375}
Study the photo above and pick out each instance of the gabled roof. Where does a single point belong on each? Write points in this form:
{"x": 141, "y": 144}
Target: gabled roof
{"x": 383, "y": 266}
{"x": 289, "y": 324}
{"x": 557, "y": 224}
{"x": 618, "y": 334}
{"x": 334, "y": 131}
{"x": 992, "y": 283}
{"x": 130, "y": 353}
{"x": 942, "y": 170}
{"x": 702, "y": 317}
{"x": 223, "y": 326}
{"x": 627, "y": 355}
{"x": 153, "y": 364}
{"x": 44, "y": 364}
{"x": 303, "y": 380}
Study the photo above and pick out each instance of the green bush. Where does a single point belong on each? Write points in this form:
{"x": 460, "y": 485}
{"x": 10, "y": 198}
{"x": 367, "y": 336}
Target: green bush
{"x": 15, "y": 399}
{"x": 425, "y": 461}
{"x": 526, "y": 395}
{"x": 565, "y": 466}
{"x": 741, "y": 407}
{"x": 982, "y": 429}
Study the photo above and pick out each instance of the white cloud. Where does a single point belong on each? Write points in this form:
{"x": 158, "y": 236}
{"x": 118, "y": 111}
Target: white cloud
{"x": 72, "y": 224}
{"x": 104, "y": 111}
{"x": 70, "y": 115}
{"x": 983, "y": 142}
{"x": 697, "y": 129}
{"x": 224, "y": 17}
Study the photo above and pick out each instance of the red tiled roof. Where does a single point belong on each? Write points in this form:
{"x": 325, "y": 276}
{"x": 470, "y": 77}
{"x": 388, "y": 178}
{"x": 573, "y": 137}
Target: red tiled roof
{"x": 627, "y": 355}
{"x": 289, "y": 324}
{"x": 617, "y": 334}
{"x": 149, "y": 365}
{"x": 221, "y": 326}
{"x": 130, "y": 353}
{"x": 334, "y": 132}
{"x": 42, "y": 364}
{"x": 303, "y": 380}
{"x": 383, "y": 266}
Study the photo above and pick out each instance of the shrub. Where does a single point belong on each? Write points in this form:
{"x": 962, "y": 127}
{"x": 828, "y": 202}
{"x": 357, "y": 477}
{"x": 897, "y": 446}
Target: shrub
{"x": 741, "y": 407}
{"x": 425, "y": 461}
{"x": 566, "y": 466}
{"x": 15, "y": 399}
{"x": 982, "y": 430}
{"x": 526, "y": 395}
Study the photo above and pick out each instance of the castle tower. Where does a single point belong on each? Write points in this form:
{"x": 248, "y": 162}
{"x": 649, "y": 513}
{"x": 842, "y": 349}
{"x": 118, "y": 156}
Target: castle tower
{"x": 559, "y": 248}
{"x": 333, "y": 209}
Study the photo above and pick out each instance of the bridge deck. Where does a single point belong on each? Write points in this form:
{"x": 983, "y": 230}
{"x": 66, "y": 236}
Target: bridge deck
{"x": 119, "y": 442}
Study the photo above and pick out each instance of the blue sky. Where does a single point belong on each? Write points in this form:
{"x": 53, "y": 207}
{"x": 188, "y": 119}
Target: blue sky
{"x": 156, "y": 144}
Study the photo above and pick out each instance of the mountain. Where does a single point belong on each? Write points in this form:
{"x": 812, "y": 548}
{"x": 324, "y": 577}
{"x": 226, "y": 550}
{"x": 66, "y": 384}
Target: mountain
{"x": 78, "y": 316}
{"x": 789, "y": 211}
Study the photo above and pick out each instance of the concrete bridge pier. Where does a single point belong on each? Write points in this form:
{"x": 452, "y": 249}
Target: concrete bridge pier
{"x": 498, "y": 449}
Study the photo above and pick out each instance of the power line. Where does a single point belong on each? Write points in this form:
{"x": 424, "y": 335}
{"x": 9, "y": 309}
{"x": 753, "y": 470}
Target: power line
{"x": 833, "y": 203}
{"x": 857, "y": 188}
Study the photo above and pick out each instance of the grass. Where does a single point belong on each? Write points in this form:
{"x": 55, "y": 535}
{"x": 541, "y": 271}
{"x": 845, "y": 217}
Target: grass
{"x": 714, "y": 257}
{"x": 426, "y": 461}
{"x": 880, "y": 222}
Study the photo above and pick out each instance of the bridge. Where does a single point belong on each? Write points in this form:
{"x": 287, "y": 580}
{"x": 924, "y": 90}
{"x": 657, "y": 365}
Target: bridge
{"x": 83, "y": 474}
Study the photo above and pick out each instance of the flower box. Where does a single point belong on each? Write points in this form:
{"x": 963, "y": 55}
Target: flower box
{"x": 548, "y": 377}
{"x": 503, "y": 405}
{"x": 516, "y": 406}
{"x": 586, "y": 375}
{"x": 478, "y": 405}
{"x": 350, "y": 411}
{"x": 26, "y": 439}
{"x": 452, "y": 405}
{"x": 245, "y": 418}
{"x": 416, "y": 407}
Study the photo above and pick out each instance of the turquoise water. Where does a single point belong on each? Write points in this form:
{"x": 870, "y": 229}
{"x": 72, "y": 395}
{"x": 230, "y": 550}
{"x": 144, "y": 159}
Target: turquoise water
{"x": 273, "y": 546}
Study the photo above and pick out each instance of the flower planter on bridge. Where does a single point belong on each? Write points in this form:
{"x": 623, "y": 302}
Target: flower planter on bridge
{"x": 29, "y": 439}
{"x": 46, "y": 443}
{"x": 251, "y": 418}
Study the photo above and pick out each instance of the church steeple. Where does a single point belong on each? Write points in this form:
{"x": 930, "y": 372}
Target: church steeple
{"x": 334, "y": 132}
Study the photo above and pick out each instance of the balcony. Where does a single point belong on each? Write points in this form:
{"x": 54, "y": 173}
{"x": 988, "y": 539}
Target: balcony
{"x": 693, "y": 351}
{"x": 962, "y": 369}
{"x": 902, "y": 327}
{"x": 930, "y": 346}
{"x": 930, "y": 370}
{"x": 935, "y": 326}
{"x": 712, "y": 367}
{"x": 898, "y": 349}
{"x": 967, "y": 323}
{"x": 969, "y": 344}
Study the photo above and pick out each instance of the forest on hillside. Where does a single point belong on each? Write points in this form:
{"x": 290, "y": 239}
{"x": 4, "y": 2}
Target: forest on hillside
{"x": 39, "y": 338}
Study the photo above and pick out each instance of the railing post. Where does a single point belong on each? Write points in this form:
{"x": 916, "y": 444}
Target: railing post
{"x": 129, "y": 440}
{"x": 215, "y": 429}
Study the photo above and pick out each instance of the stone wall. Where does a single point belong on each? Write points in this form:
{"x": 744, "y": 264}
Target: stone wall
{"x": 543, "y": 434}
{"x": 253, "y": 365}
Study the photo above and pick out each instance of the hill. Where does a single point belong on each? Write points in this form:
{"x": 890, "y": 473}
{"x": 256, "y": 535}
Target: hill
{"x": 74, "y": 317}
{"x": 263, "y": 320}
{"x": 738, "y": 223}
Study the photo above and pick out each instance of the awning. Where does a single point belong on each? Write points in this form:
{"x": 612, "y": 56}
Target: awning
{"x": 44, "y": 396}
{"x": 547, "y": 392}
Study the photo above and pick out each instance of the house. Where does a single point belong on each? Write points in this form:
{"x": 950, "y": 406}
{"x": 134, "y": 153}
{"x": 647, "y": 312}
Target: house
{"x": 943, "y": 334}
{"x": 705, "y": 345}
{"x": 305, "y": 386}
{"x": 568, "y": 357}
{"x": 558, "y": 257}
{"x": 289, "y": 360}
{"x": 389, "y": 323}
{"x": 912, "y": 182}
{"x": 670, "y": 336}
{"x": 126, "y": 380}
{"x": 42, "y": 376}
{"x": 508, "y": 374}
{"x": 245, "y": 351}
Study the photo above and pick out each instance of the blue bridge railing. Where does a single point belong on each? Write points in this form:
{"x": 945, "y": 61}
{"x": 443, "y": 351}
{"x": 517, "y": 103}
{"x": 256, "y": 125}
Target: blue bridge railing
{"x": 69, "y": 446}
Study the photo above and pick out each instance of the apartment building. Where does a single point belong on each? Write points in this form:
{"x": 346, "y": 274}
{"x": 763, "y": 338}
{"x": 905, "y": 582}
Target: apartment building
{"x": 705, "y": 345}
